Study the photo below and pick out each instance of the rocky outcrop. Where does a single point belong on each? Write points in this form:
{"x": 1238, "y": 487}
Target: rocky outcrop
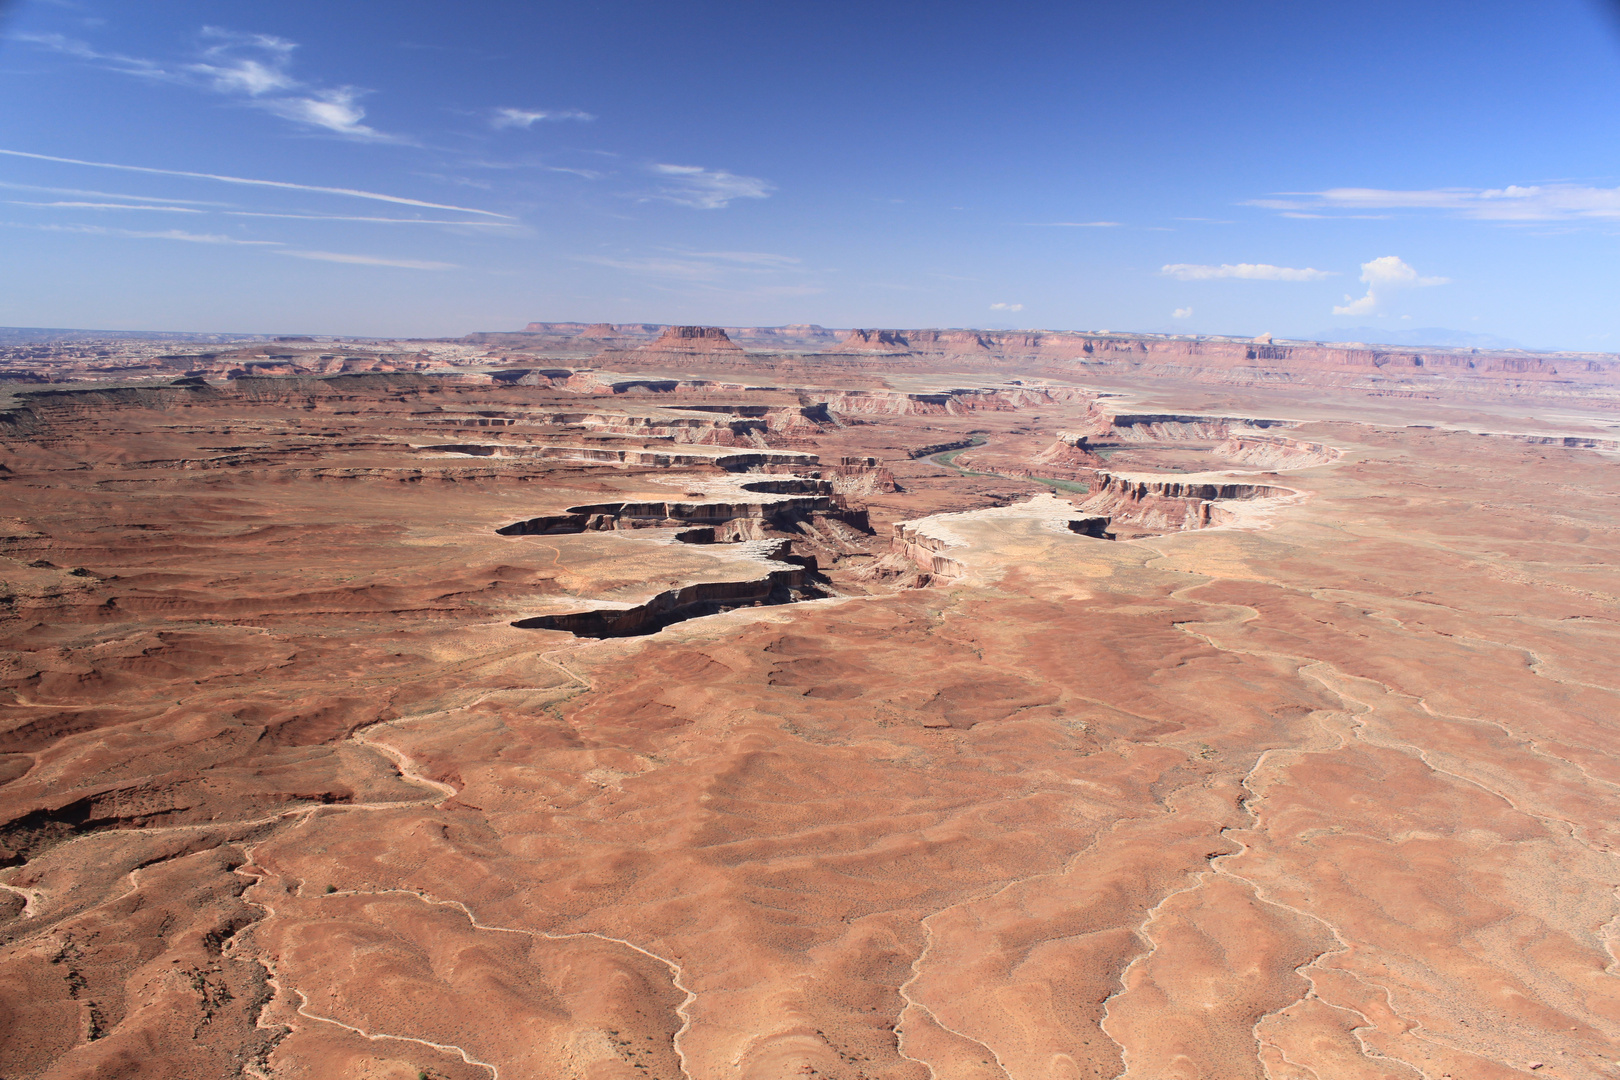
{"x": 1149, "y": 503}
{"x": 1070, "y": 450}
{"x": 1237, "y": 440}
{"x": 780, "y": 583}
{"x": 926, "y": 551}
{"x": 1173, "y": 427}
{"x": 1139, "y": 487}
{"x": 1572, "y": 442}
{"x": 860, "y": 476}
{"x": 1275, "y": 452}
{"x": 940, "y": 448}
{"x": 1095, "y": 526}
{"x": 798, "y": 499}
{"x": 576, "y": 335}
{"x": 776, "y": 419}
{"x": 683, "y": 344}
{"x": 715, "y": 425}
{"x": 875, "y": 341}
{"x": 954, "y": 402}
{"x": 740, "y": 461}
{"x": 675, "y": 605}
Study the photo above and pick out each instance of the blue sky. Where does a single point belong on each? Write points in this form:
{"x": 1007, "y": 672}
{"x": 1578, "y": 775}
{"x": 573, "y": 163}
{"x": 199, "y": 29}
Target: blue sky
{"x": 436, "y": 168}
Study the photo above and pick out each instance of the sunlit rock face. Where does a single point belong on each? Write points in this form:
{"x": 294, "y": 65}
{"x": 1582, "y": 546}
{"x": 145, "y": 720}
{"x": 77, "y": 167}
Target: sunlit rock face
{"x": 774, "y": 702}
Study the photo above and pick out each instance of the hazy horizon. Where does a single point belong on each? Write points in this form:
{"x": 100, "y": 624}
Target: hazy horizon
{"x": 1419, "y": 337}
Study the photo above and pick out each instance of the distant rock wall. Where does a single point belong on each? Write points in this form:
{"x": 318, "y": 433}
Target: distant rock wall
{"x": 1251, "y": 362}
{"x": 1170, "y": 503}
{"x": 674, "y": 605}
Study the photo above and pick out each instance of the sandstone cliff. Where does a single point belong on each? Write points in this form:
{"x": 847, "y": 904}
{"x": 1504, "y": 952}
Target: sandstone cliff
{"x": 1396, "y": 370}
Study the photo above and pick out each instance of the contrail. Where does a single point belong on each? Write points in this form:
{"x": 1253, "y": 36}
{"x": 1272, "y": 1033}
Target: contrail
{"x": 356, "y": 193}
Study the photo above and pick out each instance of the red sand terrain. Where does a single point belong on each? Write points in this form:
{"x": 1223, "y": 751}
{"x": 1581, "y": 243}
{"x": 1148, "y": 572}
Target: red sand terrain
{"x": 710, "y": 712}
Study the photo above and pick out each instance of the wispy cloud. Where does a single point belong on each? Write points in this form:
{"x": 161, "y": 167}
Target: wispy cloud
{"x": 1245, "y": 271}
{"x": 1006, "y": 307}
{"x": 215, "y": 238}
{"x": 252, "y": 64}
{"x": 527, "y": 118}
{"x": 1181, "y": 313}
{"x": 687, "y": 269}
{"x": 168, "y": 207}
{"x": 281, "y": 184}
{"x": 336, "y": 109}
{"x": 1383, "y": 275}
{"x": 367, "y": 260}
{"x": 107, "y": 206}
{"x": 697, "y": 266}
{"x": 706, "y": 189}
{"x": 761, "y": 259}
{"x": 106, "y": 195}
{"x": 127, "y": 65}
{"x": 376, "y": 220}
{"x": 1533, "y": 202}
{"x": 254, "y": 69}
{"x": 140, "y": 234}
{"x": 588, "y": 174}
{"x": 1075, "y": 224}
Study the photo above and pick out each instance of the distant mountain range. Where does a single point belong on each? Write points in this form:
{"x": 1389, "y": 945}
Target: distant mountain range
{"x": 1377, "y": 335}
{"x": 30, "y": 335}
{"x": 1426, "y": 335}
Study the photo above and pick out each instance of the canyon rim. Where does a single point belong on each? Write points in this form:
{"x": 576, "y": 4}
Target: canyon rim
{"x": 630, "y": 700}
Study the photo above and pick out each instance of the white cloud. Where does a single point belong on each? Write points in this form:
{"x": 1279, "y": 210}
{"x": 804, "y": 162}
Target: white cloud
{"x": 283, "y": 184}
{"x": 337, "y": 110}
{"x": 1382, "y": 275}
{"x": 1246, "y": 271}
{"x": 251, "y": 64}
{"x": 368, "y": 260}
{"x": 1532, "y": 202}
{"x": 706, "y": 189}
{"x": 1181, "y": 313}
{"x": 253, "y": 68}
{"x": 1006, "y": 307}
{"x": 527, "y": 118}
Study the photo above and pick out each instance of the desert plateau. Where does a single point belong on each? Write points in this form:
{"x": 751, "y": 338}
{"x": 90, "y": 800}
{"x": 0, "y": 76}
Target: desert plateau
{"x": 684, "y": 703}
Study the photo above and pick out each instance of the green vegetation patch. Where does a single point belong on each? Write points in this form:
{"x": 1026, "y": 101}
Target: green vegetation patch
{"x": 1073, "y": 486}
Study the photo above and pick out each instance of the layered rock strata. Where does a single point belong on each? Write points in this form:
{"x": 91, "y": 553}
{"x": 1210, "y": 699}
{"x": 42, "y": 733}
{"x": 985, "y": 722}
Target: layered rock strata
{"x": 776, "y": 585}
{"x": 1166, "y": 503}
